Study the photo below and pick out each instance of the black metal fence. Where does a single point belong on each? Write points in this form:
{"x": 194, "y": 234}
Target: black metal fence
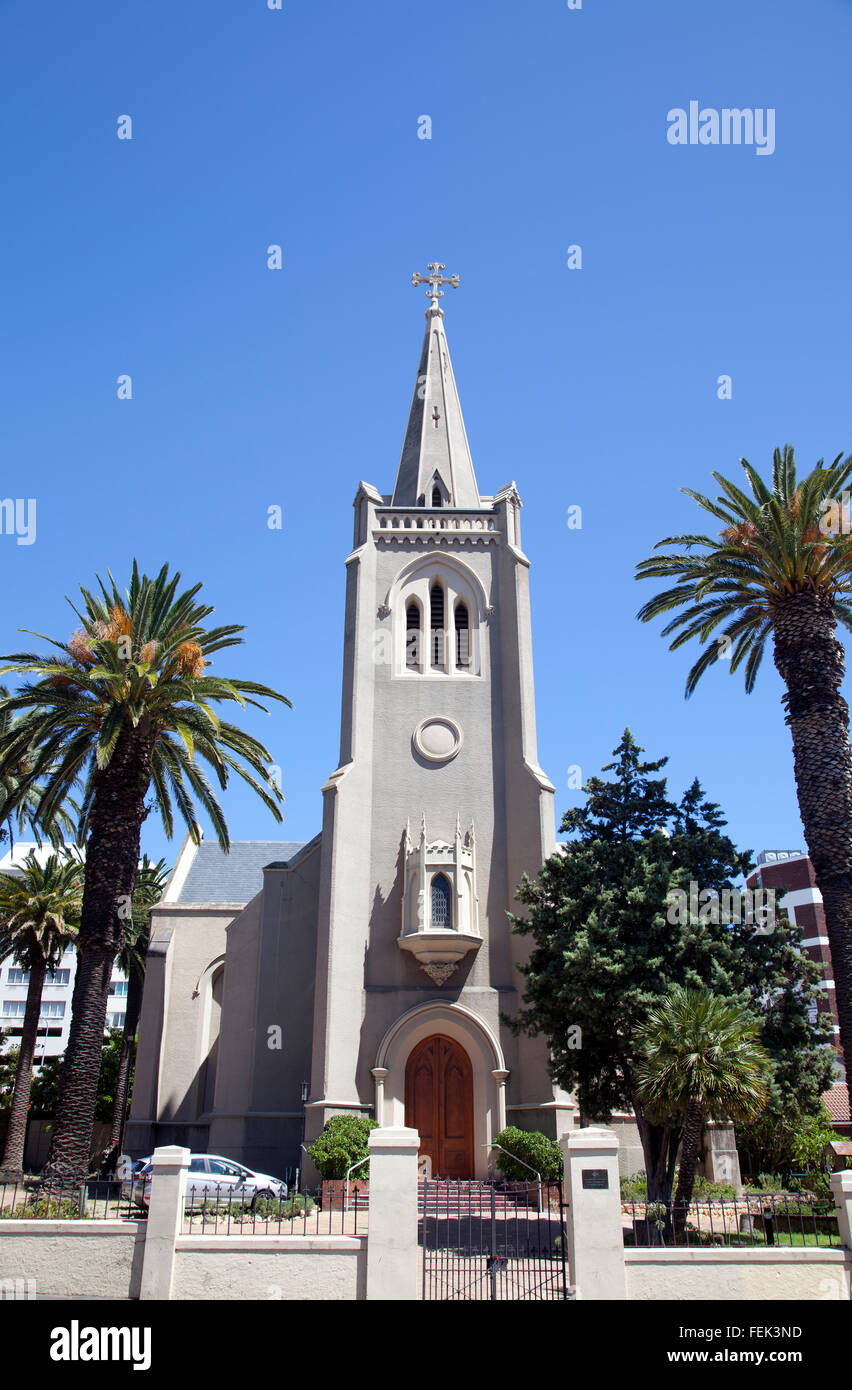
{"x": 218, "y": 1210}
{"x": 488, "y": 1240}
{"x": 95, "y": 1199}
{"x": 765, "y": 1219}
{"x": 225, "y": 1212}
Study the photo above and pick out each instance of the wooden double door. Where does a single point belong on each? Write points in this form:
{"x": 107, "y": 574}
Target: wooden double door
{"x": 439, "y": 1104}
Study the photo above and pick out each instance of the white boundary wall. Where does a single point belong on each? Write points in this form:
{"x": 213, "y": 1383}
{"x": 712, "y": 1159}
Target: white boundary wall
{"x": 101, "y": 1259}
{"x": 283, "y": 1268}
{"x": 752, "y": 1275}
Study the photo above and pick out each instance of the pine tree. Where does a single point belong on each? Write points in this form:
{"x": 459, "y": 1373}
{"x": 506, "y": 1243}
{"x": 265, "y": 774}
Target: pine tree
{"x": 610, "y": 939}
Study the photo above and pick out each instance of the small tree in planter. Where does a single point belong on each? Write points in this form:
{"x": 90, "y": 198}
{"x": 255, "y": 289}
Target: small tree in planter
{"x": 342, "y": 1143}
{"x": 533, "y": 1149}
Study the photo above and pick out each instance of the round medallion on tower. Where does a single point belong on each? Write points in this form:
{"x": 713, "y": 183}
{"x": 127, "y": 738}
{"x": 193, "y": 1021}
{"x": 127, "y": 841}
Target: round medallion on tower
{"x": 438, "y": 739}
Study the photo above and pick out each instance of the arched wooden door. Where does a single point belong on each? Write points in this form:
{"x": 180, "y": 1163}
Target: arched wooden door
{"x": 439, "y": 1103}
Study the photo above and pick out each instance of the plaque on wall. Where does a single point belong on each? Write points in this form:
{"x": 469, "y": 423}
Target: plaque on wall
{"x": 595, "y": 1177}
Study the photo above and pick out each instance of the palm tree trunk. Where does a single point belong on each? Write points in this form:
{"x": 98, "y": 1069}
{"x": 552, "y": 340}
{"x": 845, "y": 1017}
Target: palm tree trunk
{"x": 122, "y": 1085}
{"x": 810, "y": 661}
{"x": 112, "y": 856}
{"x": 690, "y": 1152}
{"x": 12, "y": 1164}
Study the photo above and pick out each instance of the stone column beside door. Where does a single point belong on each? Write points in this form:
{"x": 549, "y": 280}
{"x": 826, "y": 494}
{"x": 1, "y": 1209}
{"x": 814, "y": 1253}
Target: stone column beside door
{"x": 593, "y": 1215}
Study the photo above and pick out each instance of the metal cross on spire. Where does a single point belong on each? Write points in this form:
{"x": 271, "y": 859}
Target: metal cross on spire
{"x": 434, "y": 280}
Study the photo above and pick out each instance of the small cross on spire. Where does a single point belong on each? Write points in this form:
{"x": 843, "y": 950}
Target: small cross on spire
{"x": 434, "y": 280}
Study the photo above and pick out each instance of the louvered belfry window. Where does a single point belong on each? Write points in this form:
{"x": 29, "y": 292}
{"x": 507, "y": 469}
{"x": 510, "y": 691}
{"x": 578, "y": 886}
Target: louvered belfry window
{"x": 436, "y": 624}
{"x": 462, "y": 637}
{"x": 412, "y": 637}
{"x": 441, "y": 902}
{"x": 436, "y": 496}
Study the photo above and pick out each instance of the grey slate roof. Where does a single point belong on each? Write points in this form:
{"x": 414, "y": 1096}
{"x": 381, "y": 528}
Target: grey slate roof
{"x": 215, "y": 877}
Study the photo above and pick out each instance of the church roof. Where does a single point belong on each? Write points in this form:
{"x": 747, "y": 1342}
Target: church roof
{"x": 205, "y": 874}
{"x": 435, "y": 439}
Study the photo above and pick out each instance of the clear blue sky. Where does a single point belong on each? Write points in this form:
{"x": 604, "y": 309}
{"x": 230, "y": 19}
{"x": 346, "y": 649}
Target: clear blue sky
{"x": 252, "y": 387}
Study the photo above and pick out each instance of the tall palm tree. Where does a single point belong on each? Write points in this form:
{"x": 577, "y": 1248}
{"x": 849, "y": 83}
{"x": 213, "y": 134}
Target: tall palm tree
{"x": 700, "y": 1061}
{"x": 151, "y": 880}
{"x": 39, "y": 908}
{"x": 782, "y": 565}
{"x": 124, "y": 708}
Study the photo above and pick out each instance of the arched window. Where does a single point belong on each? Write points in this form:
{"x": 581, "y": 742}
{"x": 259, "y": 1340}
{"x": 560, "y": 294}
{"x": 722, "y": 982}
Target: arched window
{"x": 436, "y": 496}
{"x": 412, "y": 637}
{"x": 437, "y": 607}
{"x": 462, "y": 637}
{"x": 442, "y": 914}
{"x": 436, "y": 626}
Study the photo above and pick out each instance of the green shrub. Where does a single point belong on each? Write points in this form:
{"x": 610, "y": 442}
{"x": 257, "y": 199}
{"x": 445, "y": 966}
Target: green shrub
{"x": 634, "y": 1188}
{"x": 56, "y": 1208}
{"x": 703, "y": 1190}
{"x": 781, "y": 1144}
{"x": 296, "y": 1205}
{"x": 765, "y": 1182}
{"x": 534, "y": 1149}
{"x": 343, "y": 1142}
{"x": 811, "y": 1140}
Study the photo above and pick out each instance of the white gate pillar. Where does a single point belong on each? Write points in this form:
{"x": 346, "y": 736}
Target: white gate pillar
{"x": 165, "y": 1220}
{"x": 392, "y": 1252}
{"x": 593, "y": 1216}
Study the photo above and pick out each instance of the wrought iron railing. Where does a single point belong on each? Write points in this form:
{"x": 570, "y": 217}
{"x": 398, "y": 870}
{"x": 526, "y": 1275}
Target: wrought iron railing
{"x": 223, "y": 1211}
{"x": 52, "y": 1199}
{"x": 764, "y": 1219}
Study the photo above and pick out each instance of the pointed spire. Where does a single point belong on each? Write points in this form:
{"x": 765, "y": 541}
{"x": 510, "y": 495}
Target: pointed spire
{"x": 435, "y": 452}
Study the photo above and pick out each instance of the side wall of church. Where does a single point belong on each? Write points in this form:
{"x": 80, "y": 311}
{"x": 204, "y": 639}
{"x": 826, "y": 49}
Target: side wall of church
{"x": 265, "y": 1047}
{"x": 179, "y": 1025}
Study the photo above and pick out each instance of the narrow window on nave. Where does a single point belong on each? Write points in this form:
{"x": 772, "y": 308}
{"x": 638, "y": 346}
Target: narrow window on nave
{"x": 436, "y": 625}
{"x": 462, "y": 637}
{"x": 441, "y": 902}
{"x": 412, "y": 637}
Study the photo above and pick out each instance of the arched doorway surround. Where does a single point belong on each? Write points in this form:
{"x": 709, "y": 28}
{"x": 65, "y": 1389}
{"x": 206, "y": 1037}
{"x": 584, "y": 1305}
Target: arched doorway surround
{"x": 482, "y": 1048}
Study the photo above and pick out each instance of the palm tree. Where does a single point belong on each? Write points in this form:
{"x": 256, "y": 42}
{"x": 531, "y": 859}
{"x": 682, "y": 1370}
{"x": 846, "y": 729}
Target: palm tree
{"x": 124, "y": 708}
{"x": 26, "y": 810}
{"x": 782, "y": 565}
{"x": 38, "y": 910}
{"x": 150, "y": 881}
{"x": 701, "y": 1061}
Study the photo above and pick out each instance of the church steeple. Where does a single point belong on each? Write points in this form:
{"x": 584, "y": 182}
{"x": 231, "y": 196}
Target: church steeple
{"x": 436, "y": 468}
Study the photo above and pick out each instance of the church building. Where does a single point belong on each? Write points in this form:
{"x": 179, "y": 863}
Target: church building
{"x": 367, "y": 971}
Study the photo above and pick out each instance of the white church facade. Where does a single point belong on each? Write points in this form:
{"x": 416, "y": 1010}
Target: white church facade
{"x": 368, "y": 970}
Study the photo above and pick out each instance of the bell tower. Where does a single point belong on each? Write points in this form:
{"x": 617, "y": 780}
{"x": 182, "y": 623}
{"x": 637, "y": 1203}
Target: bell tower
{"x": 437, "y": 731}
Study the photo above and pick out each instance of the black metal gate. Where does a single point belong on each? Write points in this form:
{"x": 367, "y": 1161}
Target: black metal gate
{"x": 489, "y": 1240}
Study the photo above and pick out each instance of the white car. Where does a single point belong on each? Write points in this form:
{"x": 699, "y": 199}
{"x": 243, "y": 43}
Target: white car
{"x": 211, "y": 1178}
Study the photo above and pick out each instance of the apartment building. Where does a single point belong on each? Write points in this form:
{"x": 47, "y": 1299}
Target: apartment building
{"x": 55, "y": 1018}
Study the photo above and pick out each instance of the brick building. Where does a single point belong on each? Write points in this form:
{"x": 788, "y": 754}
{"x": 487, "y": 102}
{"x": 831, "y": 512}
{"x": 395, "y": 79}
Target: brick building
{"x": 790, "y": 873}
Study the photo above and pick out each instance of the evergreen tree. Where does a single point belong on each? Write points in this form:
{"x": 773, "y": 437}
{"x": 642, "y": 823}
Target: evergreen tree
{"x": 610, "y": 938}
